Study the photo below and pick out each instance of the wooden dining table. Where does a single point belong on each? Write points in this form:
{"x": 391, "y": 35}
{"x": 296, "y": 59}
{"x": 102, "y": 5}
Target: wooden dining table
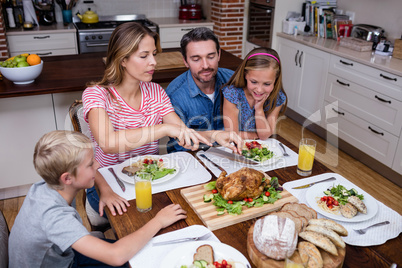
{"x": 236, "y": 235}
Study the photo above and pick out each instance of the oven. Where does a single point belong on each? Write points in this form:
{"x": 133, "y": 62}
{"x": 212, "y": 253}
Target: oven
{"x": 261, "y": 22}
{"x": 94, "y": 37}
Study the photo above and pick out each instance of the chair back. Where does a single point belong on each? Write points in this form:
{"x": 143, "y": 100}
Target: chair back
{"x": 4, "y": 234}
{"x": 76, "y": 112}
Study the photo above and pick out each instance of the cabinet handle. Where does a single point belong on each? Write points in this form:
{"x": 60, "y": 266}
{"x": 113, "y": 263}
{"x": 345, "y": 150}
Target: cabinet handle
{"x": 387, "y": 77}
{"x": 381, "y": 99}
{"x": 44, "y": 54}
{"x": 301, "y": 54}
{"x": 42, "y": 37}
{"x": 186, "y": 29}
{"x": 338, "y": 112}
{"x": 376, "y": 132}
{"x": 342, "y": 83}
{"x": 346, "y": 63}
{"x": 297, "y": 53}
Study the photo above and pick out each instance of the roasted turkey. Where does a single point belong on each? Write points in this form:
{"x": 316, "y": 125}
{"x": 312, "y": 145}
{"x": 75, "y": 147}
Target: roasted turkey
{"x": 246, "y": 182}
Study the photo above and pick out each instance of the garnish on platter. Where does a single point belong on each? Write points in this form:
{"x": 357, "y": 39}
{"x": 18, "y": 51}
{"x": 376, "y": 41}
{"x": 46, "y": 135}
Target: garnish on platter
{"x": 339, "y": 200}
{"x": 257, "y": 151}
{"x": 245, "y": 187}
{"x": 153, "y": 166}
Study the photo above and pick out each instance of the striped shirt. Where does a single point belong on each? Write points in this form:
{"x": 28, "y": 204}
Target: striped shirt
{"x": 155, "y": 104}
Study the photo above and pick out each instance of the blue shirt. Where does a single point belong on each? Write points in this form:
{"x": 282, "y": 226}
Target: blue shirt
{"x": 193, "y": 106}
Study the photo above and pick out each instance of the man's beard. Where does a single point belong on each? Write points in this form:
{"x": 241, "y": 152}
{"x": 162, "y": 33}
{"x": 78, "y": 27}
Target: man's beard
{"x": 198, "y": 77}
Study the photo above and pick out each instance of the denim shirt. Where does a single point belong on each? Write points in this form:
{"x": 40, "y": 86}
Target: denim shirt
{"x": 193, "y": 106}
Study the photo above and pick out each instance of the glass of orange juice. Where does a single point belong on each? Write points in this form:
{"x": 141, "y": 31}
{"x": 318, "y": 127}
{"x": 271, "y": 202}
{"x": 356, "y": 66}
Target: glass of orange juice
{"x": 143, "y": 191}
{"x": 306, "y": 156}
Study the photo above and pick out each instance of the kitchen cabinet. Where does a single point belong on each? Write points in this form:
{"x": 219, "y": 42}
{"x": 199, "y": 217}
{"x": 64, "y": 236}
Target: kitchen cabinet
{"x": 304, "y": 73}
{"x": 43, "y": 44}
{"x": 24, "y": 120}
{"x": 397, "y": 165}
{"x": 368, "y": 104}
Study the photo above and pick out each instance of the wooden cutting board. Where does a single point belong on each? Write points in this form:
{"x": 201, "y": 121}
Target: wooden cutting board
{"x": 262, "y": 261}
{"x": 208, "y": 214}
{"x": 169, "y": 60}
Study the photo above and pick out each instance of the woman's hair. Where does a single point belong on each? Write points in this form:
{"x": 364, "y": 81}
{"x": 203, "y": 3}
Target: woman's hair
{"x": 58, "y": 152}
{"x": 258, "y": 59}
{"x": 196, "y": 35}
{"x": 123, "y": 42}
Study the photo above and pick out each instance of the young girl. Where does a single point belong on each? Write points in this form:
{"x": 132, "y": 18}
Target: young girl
{"x": 127, "y": 113}
{"x": 254, "y": 96}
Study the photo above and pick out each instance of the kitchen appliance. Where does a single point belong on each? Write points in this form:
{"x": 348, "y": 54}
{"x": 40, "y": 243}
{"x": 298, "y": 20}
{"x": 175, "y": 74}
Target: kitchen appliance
{"x": 190, "y": 11}
{"x": 368, "y": 33}
{"x": 88, "y": 17}
{"x": 94, "y": 37}
{"x": 260, "y": 22}
{"x": 45, "y": 12}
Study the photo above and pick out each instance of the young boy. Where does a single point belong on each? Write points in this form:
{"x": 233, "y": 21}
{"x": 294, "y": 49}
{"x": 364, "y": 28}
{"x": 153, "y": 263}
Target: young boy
{"x": 48, "y": 231}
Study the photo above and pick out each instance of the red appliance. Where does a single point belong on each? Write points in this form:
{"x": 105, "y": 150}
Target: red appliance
{"x": 190, "y": 12}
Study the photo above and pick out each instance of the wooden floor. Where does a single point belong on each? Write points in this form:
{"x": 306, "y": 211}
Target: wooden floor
{"x": 341, "y": 163}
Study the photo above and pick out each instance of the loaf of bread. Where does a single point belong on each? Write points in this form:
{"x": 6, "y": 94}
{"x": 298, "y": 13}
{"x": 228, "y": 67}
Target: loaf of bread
{"x": 333, "y": 236}
{"x": 310, "y": 255}
{"x": 275, "y": 237}
{"x": 320, "y": 241}
{"x": 204, "y": 253}
{"x": 331, "y": 225}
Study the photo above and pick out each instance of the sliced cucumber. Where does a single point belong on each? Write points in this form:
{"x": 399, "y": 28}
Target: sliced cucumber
{"x": 327, "y": 192}
{"x": 208, "y": 197}
{"x": 198, "y": 264}
{"x": 265, "y": 198}
{"x": 204, "y": 263}
{"x": 220, "y": 213}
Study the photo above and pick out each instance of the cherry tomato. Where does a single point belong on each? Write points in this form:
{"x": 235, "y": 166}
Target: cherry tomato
{"x": 145, "y": 161}
{"x": 335, "y": 203}
{"x": 329, "y": 202}
{"x": 330, "y": 206}
{"x": 160, "y": 160}
{"x": 250, "y": 199}
{"x": 245, "y": 199}
{"x": 224, "y": 262}
{"x": 267, "y": 193}
{"x": 229, "y": 266}
{"x": 230, "y": 202}
{"x": 216, "y": 263}
{"x": 214, "y": 191}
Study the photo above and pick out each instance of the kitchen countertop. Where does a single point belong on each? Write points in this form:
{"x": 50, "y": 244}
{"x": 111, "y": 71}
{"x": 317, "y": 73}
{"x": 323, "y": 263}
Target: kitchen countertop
{"x": 72, "y": 72}
{"x": 44, "y": 29}
{"x": 176, "y": 22}
{"x": 385, "y": 63}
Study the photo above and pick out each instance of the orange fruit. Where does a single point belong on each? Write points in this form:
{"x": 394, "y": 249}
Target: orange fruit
{"x": 33, "y": 59}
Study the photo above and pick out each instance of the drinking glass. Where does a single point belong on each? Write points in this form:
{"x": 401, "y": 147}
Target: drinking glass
{"x": 67, "y": 16}
{"x": 306, "y": 157}
{"x": 143, "y": 191}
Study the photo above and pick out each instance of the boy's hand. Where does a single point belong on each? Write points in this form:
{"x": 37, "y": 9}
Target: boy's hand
{"x": 113, "y": 201}
{"x": 170, "y": 214}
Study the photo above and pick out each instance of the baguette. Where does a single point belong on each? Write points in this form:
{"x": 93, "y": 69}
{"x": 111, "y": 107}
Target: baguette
{"x": 331, "y": 225}
{"x": 333, "y": 236}
{"x": 310, "y": 255}
{"x": 320, "y": 241}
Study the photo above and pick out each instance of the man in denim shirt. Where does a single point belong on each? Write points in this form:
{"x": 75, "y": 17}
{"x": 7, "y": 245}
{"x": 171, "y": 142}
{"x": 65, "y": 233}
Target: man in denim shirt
{"x": 196, "y": 94}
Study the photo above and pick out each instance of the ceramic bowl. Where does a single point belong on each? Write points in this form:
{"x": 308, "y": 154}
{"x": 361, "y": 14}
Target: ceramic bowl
{"x": 22, "y": 75}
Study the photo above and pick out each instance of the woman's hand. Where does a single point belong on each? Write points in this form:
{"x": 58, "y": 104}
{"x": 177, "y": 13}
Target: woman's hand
{"x": 187, "y": 137}
{"x": 229, "y": 139}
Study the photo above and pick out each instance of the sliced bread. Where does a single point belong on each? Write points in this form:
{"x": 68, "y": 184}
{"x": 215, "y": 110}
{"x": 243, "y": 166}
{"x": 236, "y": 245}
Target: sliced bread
{"x": 301, "y": 209}
{"x": 331, "y": 225}
{"x": 333, "y": 236}
{"x": 320, "y": 241}
{"x": 310, "y": 255}
{"x": 204, "y": 253}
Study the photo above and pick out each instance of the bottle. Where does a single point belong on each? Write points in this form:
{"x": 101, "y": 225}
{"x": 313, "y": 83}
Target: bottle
{"x": 10, "y": 14}
{"x": 295, "y": 32}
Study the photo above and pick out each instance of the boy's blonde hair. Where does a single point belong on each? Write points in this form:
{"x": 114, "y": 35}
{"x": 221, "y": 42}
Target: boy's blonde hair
{"x": 58, "y": 152}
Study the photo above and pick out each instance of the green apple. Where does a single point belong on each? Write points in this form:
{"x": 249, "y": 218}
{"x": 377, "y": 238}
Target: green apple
{"x": 22, "y": 64}
{"x": 20, "y": 59}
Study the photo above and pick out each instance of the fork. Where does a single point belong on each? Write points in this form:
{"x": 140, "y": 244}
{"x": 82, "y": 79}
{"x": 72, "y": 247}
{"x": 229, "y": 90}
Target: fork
{"x": 363, "y": 231}
{"x": 284, "y": 150}
{"x": 197, "y": 238}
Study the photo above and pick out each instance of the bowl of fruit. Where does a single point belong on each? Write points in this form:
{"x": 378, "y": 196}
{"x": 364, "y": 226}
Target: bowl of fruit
{"x": 22, "y": 69}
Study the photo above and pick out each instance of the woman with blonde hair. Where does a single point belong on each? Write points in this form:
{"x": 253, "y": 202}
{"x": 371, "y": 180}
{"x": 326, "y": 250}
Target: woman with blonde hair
{"x": 254, "y": 95}
{"x": 127, "y": 113}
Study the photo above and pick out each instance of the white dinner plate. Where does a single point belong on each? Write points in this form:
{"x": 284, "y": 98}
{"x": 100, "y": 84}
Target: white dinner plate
{"x": 273, "y": 146}
{"x": 167, "y": 163}
{"x": 183, "y": 255}
{"x": 318, "y": 191}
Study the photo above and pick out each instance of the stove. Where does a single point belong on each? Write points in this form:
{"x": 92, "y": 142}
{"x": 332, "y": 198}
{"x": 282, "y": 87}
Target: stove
{"x": 94, "y": 37}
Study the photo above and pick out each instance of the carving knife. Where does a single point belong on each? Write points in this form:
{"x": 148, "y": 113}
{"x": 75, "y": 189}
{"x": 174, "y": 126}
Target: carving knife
{"x": 231, "y": 156}
{"x": 311, "y": 184}
{"x": 119, "y": 182}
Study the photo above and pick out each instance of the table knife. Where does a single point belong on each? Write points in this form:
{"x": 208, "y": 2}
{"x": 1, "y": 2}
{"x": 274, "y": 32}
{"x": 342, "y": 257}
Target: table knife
{"x": 231, "y": 156}
{"x": 119, "y": 182}
{"x": 311, "y": 184}
{"x": 212, "y": 162}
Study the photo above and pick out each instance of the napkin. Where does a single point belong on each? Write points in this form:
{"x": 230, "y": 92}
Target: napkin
{"x": 233, "y": 166}
{"x": 152, "y": 256}
{"x": 191, "y": 172}
{"x": 374, "y": 236}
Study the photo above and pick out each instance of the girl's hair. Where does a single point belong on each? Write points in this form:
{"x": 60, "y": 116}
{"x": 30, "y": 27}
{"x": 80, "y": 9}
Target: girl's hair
{"x": 258, "y": 59}
{"x": 58, "y": 152}
{"x": 123, "y": 42}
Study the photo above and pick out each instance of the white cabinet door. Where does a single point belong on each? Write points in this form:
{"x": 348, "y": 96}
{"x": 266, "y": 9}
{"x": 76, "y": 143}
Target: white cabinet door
{"x": 170, "y": 36}
{"x": 62, "y": 103}
{"x": 304, "y": 77}
{"x": 23, "y": 121}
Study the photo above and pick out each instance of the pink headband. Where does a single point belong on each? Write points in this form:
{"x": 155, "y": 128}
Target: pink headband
{"x": 266, "y": 54}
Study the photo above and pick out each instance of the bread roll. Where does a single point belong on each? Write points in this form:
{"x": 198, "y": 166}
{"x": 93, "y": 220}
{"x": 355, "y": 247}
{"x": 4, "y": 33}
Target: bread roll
{"x": 310, "y": 255}
{"x": 334, "y": 237}
{"x": 274, "y": 236}
{"x": 331, "y": 225}
{"x": 320, "y": 241}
